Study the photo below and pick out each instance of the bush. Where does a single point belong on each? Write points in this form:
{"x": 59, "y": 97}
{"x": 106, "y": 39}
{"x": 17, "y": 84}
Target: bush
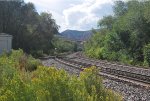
{"x": 32, "y": 64}
{"x": 147, "y": 55}
{"x": 38, "y": 53}
{"x": 50, "y": 84}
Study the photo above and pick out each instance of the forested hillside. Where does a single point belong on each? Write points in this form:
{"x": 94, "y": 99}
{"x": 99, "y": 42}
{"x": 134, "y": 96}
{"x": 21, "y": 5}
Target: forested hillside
{"x": 124, "y": 36}
{"x": 76, "y": 35}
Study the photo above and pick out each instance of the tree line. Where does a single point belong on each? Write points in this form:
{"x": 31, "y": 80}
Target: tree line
{"x": 32, "y": 32}
{"x": 124, "y": 36}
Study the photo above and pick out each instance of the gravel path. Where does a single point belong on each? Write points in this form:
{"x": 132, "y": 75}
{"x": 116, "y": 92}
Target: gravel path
{"x": 129, "y": 92}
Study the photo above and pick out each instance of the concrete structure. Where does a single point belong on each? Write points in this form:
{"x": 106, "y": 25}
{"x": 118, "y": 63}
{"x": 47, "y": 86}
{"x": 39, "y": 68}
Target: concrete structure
{"x": 5, "y": 42}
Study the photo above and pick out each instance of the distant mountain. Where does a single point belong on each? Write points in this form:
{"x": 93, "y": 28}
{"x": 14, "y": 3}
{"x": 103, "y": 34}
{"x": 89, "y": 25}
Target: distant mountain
{"x": 76, "y": 35}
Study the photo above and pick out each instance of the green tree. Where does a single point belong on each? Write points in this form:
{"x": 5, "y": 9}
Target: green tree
{"x": 120, "y": 8}
{"x": 31, "y": 31}
{"x": 127, "y": 33}
{"x": 63, "y": 45}
{"x": 107, "y": 22}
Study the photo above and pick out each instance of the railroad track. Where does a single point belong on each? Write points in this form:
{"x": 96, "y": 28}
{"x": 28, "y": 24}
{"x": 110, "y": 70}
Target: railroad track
{"x": 122, "y": 70}
{"x": 111, "y": 73}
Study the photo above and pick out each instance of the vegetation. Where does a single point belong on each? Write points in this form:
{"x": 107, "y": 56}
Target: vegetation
{"x": 62, "y": 45}
{"x": 32, "y": 32}
{"x": 147, "y": 55}
{"x": 125, "y": 35}
{"x": 18, "y": 81}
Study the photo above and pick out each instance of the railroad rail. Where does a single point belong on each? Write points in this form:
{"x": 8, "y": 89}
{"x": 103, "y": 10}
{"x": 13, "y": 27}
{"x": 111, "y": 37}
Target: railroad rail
{"x": 122, "y": 70}
{"x": 112, "y": 73}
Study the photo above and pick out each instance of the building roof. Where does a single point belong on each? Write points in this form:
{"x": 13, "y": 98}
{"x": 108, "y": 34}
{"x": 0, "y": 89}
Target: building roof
{"x": 5, "y": 35}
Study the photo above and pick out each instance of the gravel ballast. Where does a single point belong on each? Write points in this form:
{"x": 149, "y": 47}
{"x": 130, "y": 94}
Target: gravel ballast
{"x": 129, "y": 92}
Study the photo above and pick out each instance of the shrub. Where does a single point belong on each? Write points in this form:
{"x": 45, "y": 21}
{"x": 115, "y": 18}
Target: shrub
{"x": 147, "y": 55}
{"x": 50, "y": 84}
{"x": 32, "y": 64}
{"x": 37, "y": 53}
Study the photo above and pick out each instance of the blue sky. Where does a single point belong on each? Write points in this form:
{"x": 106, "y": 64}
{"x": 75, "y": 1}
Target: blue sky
{"x": 75, "y": 14}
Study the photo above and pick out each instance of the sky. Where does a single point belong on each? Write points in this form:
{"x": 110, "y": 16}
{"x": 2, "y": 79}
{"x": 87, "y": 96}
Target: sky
{"x": 75, "y": 14}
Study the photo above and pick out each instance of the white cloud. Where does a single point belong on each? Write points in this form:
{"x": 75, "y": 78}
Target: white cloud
{"x": 84, "y": 16}
{"x": 75, "y": 14}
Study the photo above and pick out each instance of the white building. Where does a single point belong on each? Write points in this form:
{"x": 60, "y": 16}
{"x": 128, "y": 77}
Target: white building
{"x": 5, "y": 42}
